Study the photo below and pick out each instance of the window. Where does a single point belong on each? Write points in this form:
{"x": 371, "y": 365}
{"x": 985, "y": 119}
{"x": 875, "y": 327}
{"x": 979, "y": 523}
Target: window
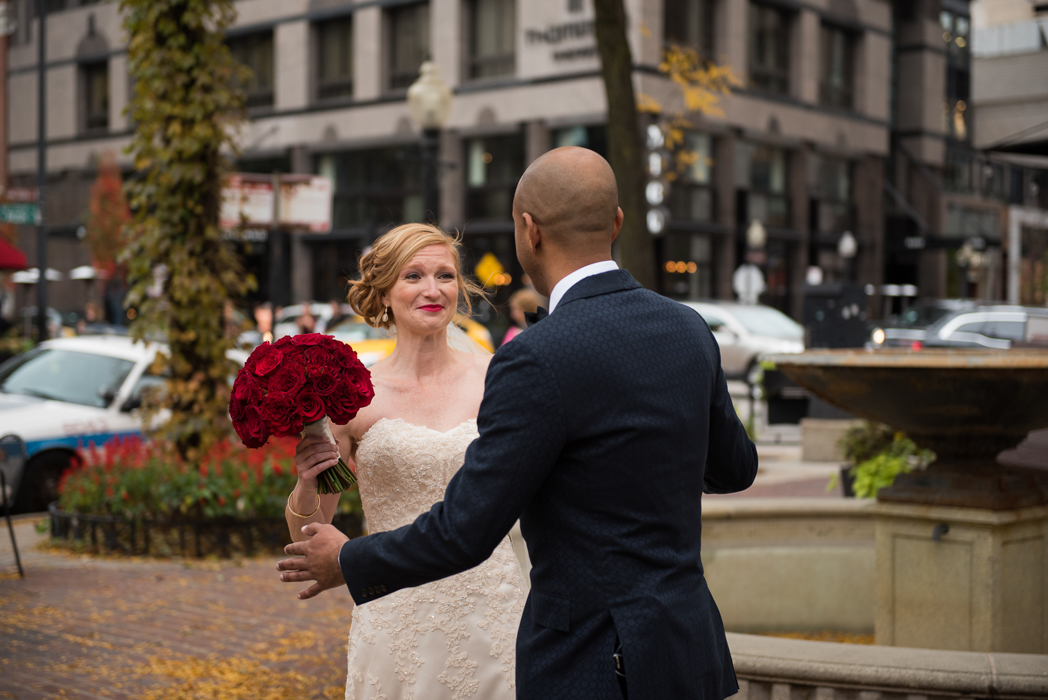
{"x": 689, "y": 24}
{"x": 760, "y": 174}
{"x": 492, "y": 38}
{"x": 690, "y": 194}
{"x": 493, "y": 166}
{"x": 835, "y": 87}
{"x": 374, "y": 188}
{"x": 594, "y": 138}
{"x": 408, "y": 43}
{"x": 95, "y": 85}
{"x": 769, "y": 48}
{"x": 256, "y": 52}
{"x": 686, "y": 268}
{"x": 335, "y": 58}
{"x": 831, "y": 195}
{"x": 64, "y": 375}
{"x": 955, "y": 34}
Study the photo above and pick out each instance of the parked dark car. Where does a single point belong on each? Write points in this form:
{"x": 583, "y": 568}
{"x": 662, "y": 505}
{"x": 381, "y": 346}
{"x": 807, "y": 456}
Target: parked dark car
{"x": 999, "y": 327}
{"x": 912, "y": 325}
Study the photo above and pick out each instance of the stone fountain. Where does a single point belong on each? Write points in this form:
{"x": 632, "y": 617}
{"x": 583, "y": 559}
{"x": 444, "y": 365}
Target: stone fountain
{"x": 962, "y": 547}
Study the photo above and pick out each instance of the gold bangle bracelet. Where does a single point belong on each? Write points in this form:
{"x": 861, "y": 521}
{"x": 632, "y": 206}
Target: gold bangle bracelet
{"x": 302, "y": 516}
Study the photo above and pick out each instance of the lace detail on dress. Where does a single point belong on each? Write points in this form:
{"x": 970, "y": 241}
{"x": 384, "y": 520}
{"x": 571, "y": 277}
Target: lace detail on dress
{"x": 454, "y": 638}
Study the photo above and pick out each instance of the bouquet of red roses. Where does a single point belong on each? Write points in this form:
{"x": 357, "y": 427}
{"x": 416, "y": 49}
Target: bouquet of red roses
{"x": 296, "y": 384}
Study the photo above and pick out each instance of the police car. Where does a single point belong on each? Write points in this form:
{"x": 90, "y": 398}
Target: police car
{"x": 63, "y": 395}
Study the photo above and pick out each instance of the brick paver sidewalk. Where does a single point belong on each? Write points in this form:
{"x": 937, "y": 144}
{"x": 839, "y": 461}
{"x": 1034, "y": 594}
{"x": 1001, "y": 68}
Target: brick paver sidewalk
{"x": 79, "y": 627}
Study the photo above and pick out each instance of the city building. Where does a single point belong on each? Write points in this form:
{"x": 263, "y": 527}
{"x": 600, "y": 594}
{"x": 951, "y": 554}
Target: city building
{"x": 840, "y": 126}
{"x": 1010, "y": 102}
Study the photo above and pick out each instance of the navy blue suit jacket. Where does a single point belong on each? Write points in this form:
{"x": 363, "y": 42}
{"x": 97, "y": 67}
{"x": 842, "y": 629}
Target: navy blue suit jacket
{"x": 599, "y": 429}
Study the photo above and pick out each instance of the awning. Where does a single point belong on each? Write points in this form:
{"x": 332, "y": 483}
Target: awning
{"x": 11, "y": 258}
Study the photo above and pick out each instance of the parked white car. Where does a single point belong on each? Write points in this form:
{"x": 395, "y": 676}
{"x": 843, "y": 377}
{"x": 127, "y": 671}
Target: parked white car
{"x": 745, "y": 332}
{"x": 63, "y": 395}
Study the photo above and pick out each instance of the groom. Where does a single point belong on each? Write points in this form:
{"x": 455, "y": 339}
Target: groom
{"x": 600, "y": 428}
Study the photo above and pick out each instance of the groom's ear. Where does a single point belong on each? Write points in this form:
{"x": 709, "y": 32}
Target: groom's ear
{"x": 531, "y": 230}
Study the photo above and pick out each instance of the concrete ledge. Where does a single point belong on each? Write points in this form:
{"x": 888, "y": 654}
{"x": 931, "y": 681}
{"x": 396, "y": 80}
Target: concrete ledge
{"x": 820, "y": 438}
{"x": 764, "y": 661}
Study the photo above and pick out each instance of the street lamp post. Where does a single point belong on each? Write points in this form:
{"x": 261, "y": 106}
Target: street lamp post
{"x": 41, "y": 172}
{"x": 429, "y": 101}
{"x": 847, "y": 247}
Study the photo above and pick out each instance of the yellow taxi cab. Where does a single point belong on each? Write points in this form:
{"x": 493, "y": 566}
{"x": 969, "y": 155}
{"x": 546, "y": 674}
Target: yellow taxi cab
{"x": 374, "y": 344}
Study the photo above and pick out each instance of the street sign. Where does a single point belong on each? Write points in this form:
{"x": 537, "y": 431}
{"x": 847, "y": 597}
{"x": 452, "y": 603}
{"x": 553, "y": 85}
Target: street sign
{"x": 305, "y": 202}
{"x": 748, "y": 283}
{"x": 20, "y": 213}
{"x": 20, "y": 194}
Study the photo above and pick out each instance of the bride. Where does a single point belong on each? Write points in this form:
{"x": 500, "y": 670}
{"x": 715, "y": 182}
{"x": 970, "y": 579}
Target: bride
{"x": 453, "y": 638}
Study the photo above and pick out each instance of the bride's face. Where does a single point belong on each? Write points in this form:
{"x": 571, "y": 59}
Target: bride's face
{"x": 425, "y": 296}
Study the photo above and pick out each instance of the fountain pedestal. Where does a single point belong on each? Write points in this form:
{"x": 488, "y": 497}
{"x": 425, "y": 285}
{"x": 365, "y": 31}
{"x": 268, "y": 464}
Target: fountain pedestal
{"x": 963, "y": 579}
{"x": 962, "y": 547}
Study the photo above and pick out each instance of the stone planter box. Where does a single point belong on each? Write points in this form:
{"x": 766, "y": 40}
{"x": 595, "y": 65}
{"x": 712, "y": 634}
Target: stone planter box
{"x": 187, "y": 537}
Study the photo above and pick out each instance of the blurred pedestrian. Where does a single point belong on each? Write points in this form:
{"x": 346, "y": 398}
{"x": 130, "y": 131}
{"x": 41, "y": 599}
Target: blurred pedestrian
{"x": 264, "y": 321}
{"x": 337, "y": 316}
{"x": 521, "y": 302}
{"x": 307, "y": 322}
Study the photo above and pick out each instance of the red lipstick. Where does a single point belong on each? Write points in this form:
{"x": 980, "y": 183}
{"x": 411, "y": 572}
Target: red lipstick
{"x": 434, "y": 308}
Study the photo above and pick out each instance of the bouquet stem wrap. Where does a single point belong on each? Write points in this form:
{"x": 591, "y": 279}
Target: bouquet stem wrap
{"x": 339, "y": 477}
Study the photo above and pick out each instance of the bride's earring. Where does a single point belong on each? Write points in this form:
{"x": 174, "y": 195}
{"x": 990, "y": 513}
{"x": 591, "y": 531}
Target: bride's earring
{"x": 385, "y": 314}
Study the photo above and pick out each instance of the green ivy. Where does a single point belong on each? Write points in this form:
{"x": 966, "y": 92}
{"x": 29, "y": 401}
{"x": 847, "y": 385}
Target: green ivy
{"x": 186, "y": 107}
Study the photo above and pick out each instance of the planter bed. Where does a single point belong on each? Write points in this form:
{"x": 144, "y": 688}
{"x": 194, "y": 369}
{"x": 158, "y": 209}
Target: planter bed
{"x": 187, "y": 537}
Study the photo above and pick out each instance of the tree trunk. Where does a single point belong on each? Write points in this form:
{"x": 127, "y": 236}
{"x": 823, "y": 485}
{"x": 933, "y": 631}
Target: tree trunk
{"x": 625, "y": 148}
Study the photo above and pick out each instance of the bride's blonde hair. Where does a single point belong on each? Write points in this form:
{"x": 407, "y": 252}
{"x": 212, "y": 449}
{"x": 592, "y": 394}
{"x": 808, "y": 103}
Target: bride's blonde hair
{"x": 381, "y": 265}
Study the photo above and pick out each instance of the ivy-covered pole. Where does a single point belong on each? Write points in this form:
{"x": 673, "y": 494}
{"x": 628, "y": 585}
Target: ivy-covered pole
{"x": 186, "y": 107}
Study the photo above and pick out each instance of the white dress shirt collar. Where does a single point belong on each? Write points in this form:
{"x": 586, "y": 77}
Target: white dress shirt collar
{"x": 561, "y": 288}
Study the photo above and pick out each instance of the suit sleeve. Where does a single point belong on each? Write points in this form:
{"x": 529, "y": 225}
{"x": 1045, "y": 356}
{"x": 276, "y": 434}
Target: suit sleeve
{"x": 521, "y": 424}
{"x": 731, "y": 462}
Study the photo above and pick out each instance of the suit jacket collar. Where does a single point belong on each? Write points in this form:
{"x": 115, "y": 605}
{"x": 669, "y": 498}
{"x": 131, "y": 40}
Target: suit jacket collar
{"x": 604, "y": 283}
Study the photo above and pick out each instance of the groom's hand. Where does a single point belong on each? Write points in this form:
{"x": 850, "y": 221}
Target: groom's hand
{"x": 316, "y": 560}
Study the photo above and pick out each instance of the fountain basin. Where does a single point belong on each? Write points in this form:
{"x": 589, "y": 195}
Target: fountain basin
{"x": 966, "y": 405}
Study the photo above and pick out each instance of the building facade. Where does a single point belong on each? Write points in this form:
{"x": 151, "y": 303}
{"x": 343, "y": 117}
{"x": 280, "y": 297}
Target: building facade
{"x": 804, "y": 146}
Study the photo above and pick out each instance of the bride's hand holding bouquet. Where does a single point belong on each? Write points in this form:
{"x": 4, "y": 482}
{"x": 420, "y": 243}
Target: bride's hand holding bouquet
{"x": 296, "y": 385}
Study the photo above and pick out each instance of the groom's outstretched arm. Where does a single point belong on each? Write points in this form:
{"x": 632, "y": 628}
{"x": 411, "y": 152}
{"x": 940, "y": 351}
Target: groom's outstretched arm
{"x": 731, "y": 460}
{"x": 521, "y": 425}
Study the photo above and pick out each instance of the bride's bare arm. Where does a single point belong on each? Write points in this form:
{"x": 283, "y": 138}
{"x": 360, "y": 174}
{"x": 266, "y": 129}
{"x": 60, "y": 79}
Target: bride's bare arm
{"x": 314, "y": 454}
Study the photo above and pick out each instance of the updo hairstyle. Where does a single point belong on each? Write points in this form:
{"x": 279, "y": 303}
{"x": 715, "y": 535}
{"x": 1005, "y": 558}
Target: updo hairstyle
{"x": 380, "y": 267}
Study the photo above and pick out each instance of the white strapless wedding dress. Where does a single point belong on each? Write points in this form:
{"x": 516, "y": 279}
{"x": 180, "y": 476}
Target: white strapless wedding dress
{"x": 451, "y": 639}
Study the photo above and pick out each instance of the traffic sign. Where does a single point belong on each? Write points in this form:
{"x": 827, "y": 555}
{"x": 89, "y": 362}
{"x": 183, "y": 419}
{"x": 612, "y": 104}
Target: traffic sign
{"x": 20, "y": 213}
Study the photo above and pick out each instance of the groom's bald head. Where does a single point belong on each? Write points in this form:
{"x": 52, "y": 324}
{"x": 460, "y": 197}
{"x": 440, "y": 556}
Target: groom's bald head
{"x": 571, "y": 194}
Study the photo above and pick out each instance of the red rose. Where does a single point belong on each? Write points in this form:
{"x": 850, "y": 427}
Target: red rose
{"x": 319, "y": 355}
{"x": 310, "y": 406}
{"x": 268, "y": 362}
{"x": 325, "y": 384}
{"x": 345, "y": 356}
{"x": 307, "y": 339}
{"x": 252, "y": 428}
{"x": 236, "y": 409}
{"x": 246, "y": 388}
{"x": 358, "y": 379}
{"x": 289, "y": 379}
{"x": 283, "y": 342}
{"x": 280, "y": 412}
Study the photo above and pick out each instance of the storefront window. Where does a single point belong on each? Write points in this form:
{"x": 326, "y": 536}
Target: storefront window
{"x": 374, "y": 188}
{"x": 592, "y": 137}
{"x": 493, "y": 166}
{"x": 686, "y": 266}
